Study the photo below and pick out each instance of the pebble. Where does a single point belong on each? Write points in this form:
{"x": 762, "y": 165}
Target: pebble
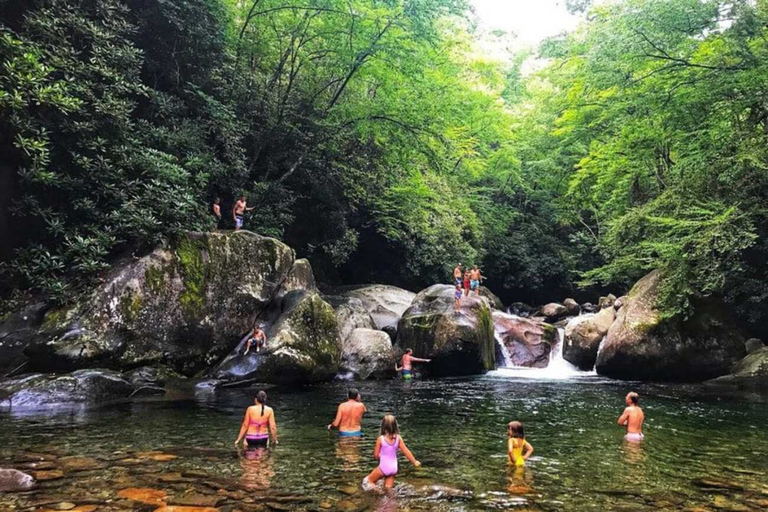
{"x": 43, "y": 476}
{"x": 347, "y": 506}
{"x": 144, "y": 495}
{"x": 196, "y": 500}
{"x": 325, "y": 505}
{"x": 349, "y": 490}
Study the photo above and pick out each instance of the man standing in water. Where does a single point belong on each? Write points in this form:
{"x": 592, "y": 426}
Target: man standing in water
{"x": 241, "y": 206}
{"x": 349, "y": 416}
{"x": 408, "y": 360}
{"x": 632, "y": 418}
{"x": 458, "y": 274}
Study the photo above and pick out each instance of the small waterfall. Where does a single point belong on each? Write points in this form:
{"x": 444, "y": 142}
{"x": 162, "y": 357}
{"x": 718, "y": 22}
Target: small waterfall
{"x": 503, "y": 351}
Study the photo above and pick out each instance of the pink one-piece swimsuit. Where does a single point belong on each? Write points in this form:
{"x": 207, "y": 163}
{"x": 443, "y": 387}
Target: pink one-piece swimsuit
{"x": 388, "y": 456}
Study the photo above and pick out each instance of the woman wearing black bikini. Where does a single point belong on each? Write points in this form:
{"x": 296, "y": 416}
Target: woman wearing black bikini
{"x": 258, "y": 423}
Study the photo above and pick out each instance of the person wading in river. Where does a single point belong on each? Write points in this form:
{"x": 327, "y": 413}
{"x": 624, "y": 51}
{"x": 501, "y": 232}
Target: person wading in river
{"x": 238, "y": 211}
{"x": 258, "y": 424}
{"x": 632, "y": 418}
{"x": 349, "y": 416}
{"x": 407, "y": 361}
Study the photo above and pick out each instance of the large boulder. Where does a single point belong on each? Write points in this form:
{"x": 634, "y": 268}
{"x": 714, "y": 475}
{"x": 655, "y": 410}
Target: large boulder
{"x": 753, "y": 345}
{"x": 17, "y": 331}
{"x": 583, "y": 335}
{"x": 184, "y": 306}
{"x": 368, "y": 353}
{"x": 553, "y": 311}
{"x": 385, "y": 304}
{"x": 572, "y": 306}
{"x": 641, "y": 345}
{"x": 82, "y": 387}
{"x": 13, "y": 480}
{"x": 459, "y": 343}
{"x": 303, "y": 345}
{"x": 493, "y": 300}
{"x": 351, "y": 313}
{"x": 749, "y": 373}
{"x": 607, "y": 301}
{"x": 528, "y": 342}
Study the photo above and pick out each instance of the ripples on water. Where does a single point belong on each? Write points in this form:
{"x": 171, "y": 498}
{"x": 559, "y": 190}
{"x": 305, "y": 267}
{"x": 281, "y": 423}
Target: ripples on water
{"x": 456, "y": 427}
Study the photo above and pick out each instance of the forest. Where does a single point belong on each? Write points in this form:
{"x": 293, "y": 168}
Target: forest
{"x": 374, "y": 138}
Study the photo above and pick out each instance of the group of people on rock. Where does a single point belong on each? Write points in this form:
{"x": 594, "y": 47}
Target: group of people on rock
{"x": 238, "y": 212}
{"x": 466, "y": 282}
{"x": 259, "y": 424}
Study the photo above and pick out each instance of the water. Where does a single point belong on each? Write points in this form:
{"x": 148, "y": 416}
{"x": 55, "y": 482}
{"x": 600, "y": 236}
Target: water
{"x": 700, "y": 450}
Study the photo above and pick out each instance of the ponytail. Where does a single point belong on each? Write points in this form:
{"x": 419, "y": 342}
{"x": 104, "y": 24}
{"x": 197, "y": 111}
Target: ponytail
{"x": 261, "y": 397}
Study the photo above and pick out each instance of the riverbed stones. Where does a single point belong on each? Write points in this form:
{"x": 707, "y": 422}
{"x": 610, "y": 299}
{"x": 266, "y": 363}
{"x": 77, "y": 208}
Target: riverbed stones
{"x": 553, "y": 311}
{"x": 606, "y": 302}
{"x": 145, "y": 495}
{"x": 368, "y": 353}
{"x": 528, "y": 341}
{"x": 642, "y": 345}
{"x": 583, "y": 335}
{"x": 12, "y": 480}
{"x": 79, "y": 387}
{"x": 459, "y": 343}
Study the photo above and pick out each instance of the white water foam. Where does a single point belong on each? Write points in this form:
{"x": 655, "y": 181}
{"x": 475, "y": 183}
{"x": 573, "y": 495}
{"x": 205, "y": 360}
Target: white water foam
{"x": 557, "y": 369}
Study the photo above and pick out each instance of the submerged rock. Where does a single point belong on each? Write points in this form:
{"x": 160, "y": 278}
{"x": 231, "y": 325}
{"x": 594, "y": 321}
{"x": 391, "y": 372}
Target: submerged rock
{"x": 303, "y": 345}
{"x": 641, "y": 345}
{"x": 368, "y": 353}
{"x": 80, "y": 387}
{"x": 583, "y": 335}
{"x": 528, "y": 341}
{"x": 12, "y": 480}
{"x": 184, "y": 306}
{"x": 459, "y": 343}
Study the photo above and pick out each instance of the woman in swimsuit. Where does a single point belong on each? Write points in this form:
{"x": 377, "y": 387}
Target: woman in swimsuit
{"x": 258, "y": 423}
{"x": 517, "y": 443}
{"x": 387, "y": 446}
{"x": 467, "y": 281}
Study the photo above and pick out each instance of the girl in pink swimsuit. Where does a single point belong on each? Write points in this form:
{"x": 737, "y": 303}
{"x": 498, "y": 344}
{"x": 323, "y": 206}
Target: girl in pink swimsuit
{"x": 258, "y": 423}
{"x": 387, "y": 446}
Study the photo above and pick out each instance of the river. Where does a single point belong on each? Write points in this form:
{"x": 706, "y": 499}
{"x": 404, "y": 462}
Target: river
{"x": 700, "y": 450}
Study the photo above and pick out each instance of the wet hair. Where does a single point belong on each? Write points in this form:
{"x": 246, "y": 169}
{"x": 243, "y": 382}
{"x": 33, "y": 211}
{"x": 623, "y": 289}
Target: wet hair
{"x": 389, "y": 426}
{"x": 353, "y": 393}
{"x": 261, "y": 397}
{"x": 216, "y": 200}
{"x": 633, "y": 397}
{"x": 409, "y": 351}
{"x": 515, "y": 429}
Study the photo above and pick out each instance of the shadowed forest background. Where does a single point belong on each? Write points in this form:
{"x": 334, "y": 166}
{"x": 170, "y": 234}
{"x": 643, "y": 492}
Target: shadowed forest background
{"x": 378, "y": 141}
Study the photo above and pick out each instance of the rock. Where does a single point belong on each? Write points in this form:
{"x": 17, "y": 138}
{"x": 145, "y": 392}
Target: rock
{"x": 173, "y": 508}
{"x": 554, "y": 311}
{"x": 753, "y": 345}
{"x": 459, "y": 343}
{"x": 80, "y": 387}
{"x": 185, "y": 306}
{"x": 17, "y": 331}
{"x": 521, "y": 309}
{"x": 588, "y": 307}
{"x": 80, "y": 463}
{"x": 620, "y": 302}
{"x": 385, "y": 304}
{"x": 583, "y": 335}
{"x": 750, "y": 373}
{"x": 606, "y": 302}
{"x": 351, "y": 314}
{"x": 368, "y": 354}
{"x": 303, "y": 346}
{"x": 151, "y": 376}
{"x": 300, "y": 277}
{"x": 12, "y": 480}
{"x": 196, "y": 500}
{"x": 149, "y": 496}
{"x": 45, "y": 476}
{"x": 347, "y": 506}
{"x": 572, "y": 306}
{"x": 493, "y": 300}
{"x": 641, "y": 345}
{"x": 528, "y": 341}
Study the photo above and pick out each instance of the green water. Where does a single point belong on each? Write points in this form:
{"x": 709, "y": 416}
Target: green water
{"x": 700, "y": 451}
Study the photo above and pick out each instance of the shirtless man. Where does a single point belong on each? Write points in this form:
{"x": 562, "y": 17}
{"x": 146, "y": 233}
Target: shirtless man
{"x": 257, "y": 338}
{"x": 458, "y": 274}
{"x": 216, "y": 208}
{"x": 238, "y": 210}
{"x": 408, "y": 360}
{"x": 475, "y": 277}
{"x": 632, "y": 418}
{"x": 349, "y": 417}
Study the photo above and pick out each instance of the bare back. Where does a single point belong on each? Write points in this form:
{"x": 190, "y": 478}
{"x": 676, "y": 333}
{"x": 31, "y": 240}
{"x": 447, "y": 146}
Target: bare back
{"x": 350, "y": 416}
{"x": 633, "y": 418}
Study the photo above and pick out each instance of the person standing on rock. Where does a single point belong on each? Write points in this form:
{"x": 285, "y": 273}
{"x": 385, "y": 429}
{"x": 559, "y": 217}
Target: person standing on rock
{"x": 216, "y": 209}
{"x": 467, "y": 281}
{"x": 458, "y": 275}
{"x": 475, "y": 278}
{"x": 349, "y": 416}
{"x": 407, "y": 361}
{"x": 457, "y": 298}
{"x": 258, "y": 338}
{"x": 238, "y": 211}
{"x": 258, "y": 424}
{"x": 632, "y": 418}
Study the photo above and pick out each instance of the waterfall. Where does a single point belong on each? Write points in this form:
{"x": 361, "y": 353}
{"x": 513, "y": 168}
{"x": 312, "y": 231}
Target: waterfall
{"x": 501, "y": 349}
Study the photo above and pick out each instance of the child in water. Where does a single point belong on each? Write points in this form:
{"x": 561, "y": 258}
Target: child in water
{"x": 387, "y": 446}
{"x": 517, "y": 443}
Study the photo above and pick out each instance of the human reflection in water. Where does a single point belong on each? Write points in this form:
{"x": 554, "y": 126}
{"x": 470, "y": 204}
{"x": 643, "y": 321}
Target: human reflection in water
{"x": 633, "y": 452}
{"x": 348, "y": 450}
{"x": 387, "y": 502}
{"x": 519, "y": 480}
{"x": 258, "y": 468}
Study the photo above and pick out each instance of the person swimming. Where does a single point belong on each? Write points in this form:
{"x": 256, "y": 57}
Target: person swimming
{"x": 408, "y": 360}
{"x": 387, "y": 446}
{"x": 632, "y": 418}
{"x": 258, "y": 424}
{"x": 518, "y": 449}
{"x": 349, "y": 416}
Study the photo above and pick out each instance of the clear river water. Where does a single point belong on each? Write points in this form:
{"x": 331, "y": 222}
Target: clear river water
{"x": 701, "y": 451}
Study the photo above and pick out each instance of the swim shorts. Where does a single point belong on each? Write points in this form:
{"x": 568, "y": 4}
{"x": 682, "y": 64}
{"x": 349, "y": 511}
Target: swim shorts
{"x": 356, "y": 433}
{"x": 474, "y": 284}
{"x": 238, "y": 221}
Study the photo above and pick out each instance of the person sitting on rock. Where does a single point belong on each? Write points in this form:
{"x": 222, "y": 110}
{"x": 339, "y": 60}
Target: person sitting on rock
{"x": 349, "y": 416}
{"x": 258, "y": 338}
{"x": 632, "y": 418}
{"x": 408, "y": 360}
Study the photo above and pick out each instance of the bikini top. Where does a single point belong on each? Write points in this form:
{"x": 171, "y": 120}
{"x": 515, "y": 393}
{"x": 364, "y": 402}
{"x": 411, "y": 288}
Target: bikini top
{"x": 263, "y": 421}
